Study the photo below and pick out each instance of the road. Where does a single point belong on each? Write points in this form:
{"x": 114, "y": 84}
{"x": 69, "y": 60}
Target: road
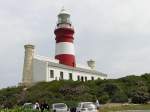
{"x": 135, "y": 111}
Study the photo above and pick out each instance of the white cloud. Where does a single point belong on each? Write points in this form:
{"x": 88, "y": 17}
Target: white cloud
{"x": 131, "y": 16}
{"x": 113, "y": 32}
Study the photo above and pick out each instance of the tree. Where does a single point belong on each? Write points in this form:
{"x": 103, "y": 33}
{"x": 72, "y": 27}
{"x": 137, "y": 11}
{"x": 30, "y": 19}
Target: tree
{"x": 140, "y": 97}
{"x": 110, "y": 88}
{"x": 103, "y": 98}
{"x": 140, "y": 94}
{"x": 119, "y": 97}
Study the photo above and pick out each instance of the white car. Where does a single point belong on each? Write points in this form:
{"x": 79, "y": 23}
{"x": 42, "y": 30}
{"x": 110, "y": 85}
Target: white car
{"x": 28, "y": 106}
{"x": 60, "y": 107}
{"x": 86, "y": 107}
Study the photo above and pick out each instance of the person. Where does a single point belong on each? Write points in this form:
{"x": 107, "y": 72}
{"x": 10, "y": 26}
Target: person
{"x": 46, "y": 106}
{"x": 73, "y": 109}
{"x": 42, "y": 107}
{"x": 36, "y": 106}
{"x": 97, "y": 104}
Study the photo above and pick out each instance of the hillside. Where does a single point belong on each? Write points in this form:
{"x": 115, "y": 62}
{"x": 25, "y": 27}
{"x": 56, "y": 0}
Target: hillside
{"x": 135, "y": 88}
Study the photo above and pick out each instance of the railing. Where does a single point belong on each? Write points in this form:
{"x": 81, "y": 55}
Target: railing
{"x": 64, "y": 26}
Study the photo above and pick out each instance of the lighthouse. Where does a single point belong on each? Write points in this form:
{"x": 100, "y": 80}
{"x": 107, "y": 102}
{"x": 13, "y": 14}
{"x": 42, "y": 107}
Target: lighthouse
{"x": 64, "y": 67}
{"x": 64, "y": 50}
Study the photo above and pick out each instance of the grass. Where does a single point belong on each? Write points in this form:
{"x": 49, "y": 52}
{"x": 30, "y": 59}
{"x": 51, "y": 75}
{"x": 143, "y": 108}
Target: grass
{"x": 105, "y": 108}
{"x": 19, "y": 109}
{"x": 120, "y": 107}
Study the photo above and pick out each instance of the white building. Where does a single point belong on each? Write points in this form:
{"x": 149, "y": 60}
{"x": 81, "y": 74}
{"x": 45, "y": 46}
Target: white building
{"x": 52, "y": 70}
{"x": 63, "y": 67}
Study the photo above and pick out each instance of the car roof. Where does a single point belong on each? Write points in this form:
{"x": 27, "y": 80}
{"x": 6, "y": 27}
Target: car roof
{"x": 85, "y": 102}
{"x": 58, "y": 103}
{"x": 27, "y": 103}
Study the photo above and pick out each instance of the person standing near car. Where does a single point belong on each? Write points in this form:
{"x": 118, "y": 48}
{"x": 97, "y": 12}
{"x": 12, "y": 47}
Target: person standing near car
{"x": 46, "y": 106}
{"x": 42, "y": 107}
{"x": 36, "y": 106}
{"x": 97, "y": 104}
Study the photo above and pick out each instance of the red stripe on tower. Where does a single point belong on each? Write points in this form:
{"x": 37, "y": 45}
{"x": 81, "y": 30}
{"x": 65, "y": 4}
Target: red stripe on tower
{"x": 64, "y": 31}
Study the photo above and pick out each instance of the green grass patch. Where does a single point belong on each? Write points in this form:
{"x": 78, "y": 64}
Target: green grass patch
{"x": 125, "y": 107}
{"x": 19, "y": 109}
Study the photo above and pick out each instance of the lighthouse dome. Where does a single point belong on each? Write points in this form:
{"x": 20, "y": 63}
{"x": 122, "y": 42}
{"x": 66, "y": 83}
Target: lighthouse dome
{"x": 64, "y": 17}
{"x": 64, "y": 11}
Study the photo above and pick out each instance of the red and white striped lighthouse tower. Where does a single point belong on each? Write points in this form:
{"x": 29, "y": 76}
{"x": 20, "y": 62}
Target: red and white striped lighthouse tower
{"x": 64, "y": 31}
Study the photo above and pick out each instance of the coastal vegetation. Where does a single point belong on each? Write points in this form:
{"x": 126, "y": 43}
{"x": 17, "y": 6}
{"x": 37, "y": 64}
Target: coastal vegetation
{"x": 123, "y": 107}
{"x": 104, "y": 108}
{"x": 132, "y": 89}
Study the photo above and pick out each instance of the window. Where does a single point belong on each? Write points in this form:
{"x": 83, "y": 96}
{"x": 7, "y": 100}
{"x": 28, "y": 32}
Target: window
{"x": 78, "y": 78}
{"x": 51, "y": 73}
{"x": 82, "y": 79}
{"x": 70, "y": 76}
{"x": 55, "y": 78}
{"x": 92, "y": 78}
{"x": 61, "y": 75}
{"x": 85, "y": 78}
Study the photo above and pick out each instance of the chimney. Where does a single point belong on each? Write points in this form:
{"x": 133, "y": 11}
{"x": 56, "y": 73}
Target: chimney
{"x": 28, "y": 65}
{"x": 91, "y": 64}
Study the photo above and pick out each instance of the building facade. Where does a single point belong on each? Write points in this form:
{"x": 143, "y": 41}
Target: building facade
{"x": 63, "y": 67}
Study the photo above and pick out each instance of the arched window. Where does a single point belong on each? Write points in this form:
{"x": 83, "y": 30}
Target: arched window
{"x": 82, "y": 79}
{"x": 85, "y": 78}
{"x": 61, "y": 75}
{"x": 51, "y": 73}
{"x": 92, "y": 78}
{"x": 78, "y": 78}
{"x": 70, "y": 76}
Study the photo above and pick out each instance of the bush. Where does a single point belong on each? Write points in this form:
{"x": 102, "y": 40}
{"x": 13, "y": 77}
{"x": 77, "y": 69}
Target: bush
{"x": 110, "y": 88}
{"x": 140, "y": 97}
{"x": 119, "y": 97}
{"x": 140, "y": 94}
{"x": 136, "y": 88}
{"x": 103, "y": 99}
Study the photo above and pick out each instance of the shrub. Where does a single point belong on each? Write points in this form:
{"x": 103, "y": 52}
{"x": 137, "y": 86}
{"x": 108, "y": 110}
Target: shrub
{"x": 119, "y": 97}
{"x": 103, "y": 99}
{"x": 110, "y": 88}
{"x": 140, "y": 94}
{"x": 140, "y": 97}
{"x": 136, "y": 88}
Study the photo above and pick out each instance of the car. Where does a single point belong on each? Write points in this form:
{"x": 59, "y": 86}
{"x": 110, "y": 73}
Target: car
{"x": 60, "y": 107}
{"x": 28, "y": 106}
{"x": 86, "y": 107}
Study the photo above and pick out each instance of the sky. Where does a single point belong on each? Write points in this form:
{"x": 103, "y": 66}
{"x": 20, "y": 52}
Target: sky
{"x": 114, "y": 33}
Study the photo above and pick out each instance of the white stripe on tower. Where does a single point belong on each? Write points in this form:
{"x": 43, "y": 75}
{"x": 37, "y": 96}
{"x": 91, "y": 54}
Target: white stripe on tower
{"x": 64, "y": 48}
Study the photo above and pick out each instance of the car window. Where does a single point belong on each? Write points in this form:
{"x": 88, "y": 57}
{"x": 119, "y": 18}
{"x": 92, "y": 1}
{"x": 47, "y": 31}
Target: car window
{"x": 28, "y": 105}
{"x": 92, "y": 106}
{"x": 59, "y": 106}
{"x": 79, "y": 105}
{"x": 88, "y": 105}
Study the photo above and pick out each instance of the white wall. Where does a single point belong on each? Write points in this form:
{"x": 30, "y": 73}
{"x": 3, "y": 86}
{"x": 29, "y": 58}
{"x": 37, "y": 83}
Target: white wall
{"x": 39, "y": 70}
{"x": 66, "y": 74}
{"x": 57, "y": 73}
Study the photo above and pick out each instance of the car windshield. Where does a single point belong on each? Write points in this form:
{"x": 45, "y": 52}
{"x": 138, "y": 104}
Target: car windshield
{"x": 59, "y": 105}
{"x": 28, "y": 105}
{"x": 89, "y": 105}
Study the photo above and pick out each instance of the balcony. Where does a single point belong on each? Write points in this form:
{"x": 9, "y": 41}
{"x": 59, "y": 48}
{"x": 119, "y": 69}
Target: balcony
{"x": 64, "y": 26}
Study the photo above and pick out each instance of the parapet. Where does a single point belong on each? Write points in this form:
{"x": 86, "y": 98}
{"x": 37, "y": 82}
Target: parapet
{"x": 29, "y": 46}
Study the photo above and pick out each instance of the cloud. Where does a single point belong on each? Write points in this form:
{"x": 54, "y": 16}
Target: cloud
{"x": 113, "y": 32}
{"x": 131, "y": 16}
